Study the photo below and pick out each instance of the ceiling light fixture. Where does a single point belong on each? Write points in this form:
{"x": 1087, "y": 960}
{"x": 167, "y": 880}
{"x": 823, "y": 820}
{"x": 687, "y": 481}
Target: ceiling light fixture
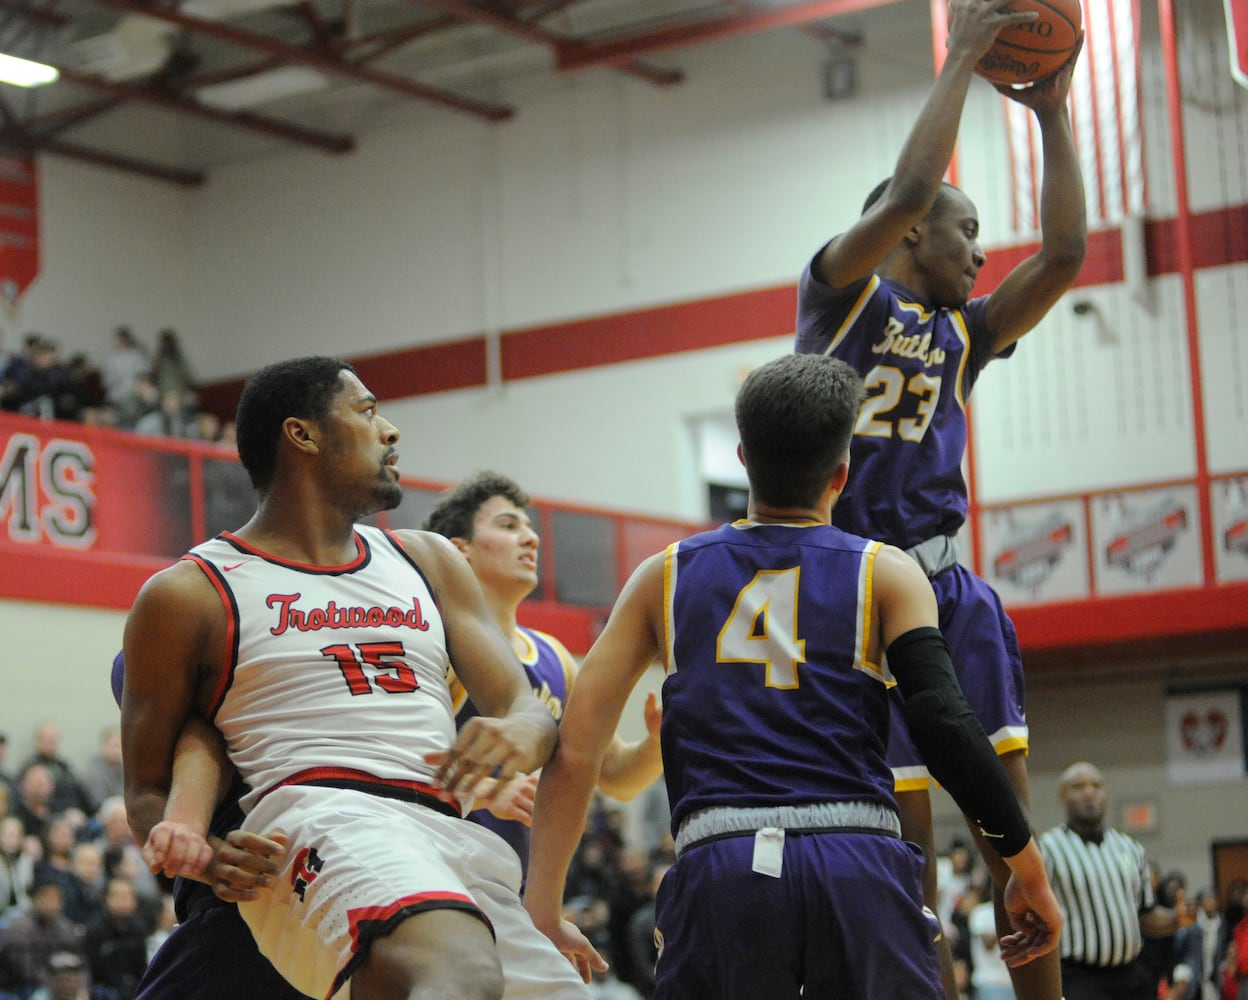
{"x": 25, "y": 72}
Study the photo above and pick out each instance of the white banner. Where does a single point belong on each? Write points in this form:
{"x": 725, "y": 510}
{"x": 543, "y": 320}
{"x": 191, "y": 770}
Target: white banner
{"x": 1205, "y": 737}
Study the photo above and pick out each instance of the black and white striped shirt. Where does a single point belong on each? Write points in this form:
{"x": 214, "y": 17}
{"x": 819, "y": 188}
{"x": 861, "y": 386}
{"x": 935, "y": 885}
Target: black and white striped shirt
{"x": 1102, "y": 887}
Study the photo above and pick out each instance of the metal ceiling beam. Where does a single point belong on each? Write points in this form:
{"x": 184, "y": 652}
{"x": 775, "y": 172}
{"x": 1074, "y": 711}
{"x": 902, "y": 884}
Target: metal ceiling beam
{"x": 314, "y": 58}
{"x": 582, "y": 55}
{"x": 18, "y": 139}
{"x": 328, "y": 141}
{"x": 172, "y": 175}
{"x": 531, "y": 32}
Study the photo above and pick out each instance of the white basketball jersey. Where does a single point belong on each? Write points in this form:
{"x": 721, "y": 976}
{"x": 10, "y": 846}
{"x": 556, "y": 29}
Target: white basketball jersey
{"x": 333, "y": 673}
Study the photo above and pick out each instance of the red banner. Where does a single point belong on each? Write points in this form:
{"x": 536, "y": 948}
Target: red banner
{"x": 19, "y": 226}
{"x": 1237, "y": 37}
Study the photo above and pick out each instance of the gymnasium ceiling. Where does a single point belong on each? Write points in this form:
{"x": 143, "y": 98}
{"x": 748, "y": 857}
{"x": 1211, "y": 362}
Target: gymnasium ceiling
{"x": 171, "y": 88}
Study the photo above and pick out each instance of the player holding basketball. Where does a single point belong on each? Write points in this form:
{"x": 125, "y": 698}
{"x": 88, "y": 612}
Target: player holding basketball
{"x": 319, "y": 648}
{"x": 485, "y": 517}
{"x": 791, "y": 879}
{"x": 892, "y": 296}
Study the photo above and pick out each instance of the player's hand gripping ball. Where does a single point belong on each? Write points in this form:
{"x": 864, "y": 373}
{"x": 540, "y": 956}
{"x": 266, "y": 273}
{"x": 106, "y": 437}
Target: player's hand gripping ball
{"x": 1034, "y": 50}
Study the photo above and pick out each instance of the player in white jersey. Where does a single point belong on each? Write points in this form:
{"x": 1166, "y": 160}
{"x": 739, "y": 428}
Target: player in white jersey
{"x": 319, "y": 649}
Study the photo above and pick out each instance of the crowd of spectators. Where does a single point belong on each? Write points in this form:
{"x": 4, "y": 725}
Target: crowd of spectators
{"x": 151, "y": 392}
{"x": 80, "y": 914}
{"x": 1200, "y": 961}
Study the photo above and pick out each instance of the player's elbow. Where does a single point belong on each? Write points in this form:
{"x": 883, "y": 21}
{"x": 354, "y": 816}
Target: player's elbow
{"x": 1064, "y": 255}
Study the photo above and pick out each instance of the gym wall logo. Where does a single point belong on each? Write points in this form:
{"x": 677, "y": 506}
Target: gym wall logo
{"x": 1205, "y": 736}
{"x": 47, "y": 491}
{"x": 1144, "y": 538}
{"x": 1028, "y": 556}
{"x": 1235, "y": 537}
{"x": 307, "y": 866}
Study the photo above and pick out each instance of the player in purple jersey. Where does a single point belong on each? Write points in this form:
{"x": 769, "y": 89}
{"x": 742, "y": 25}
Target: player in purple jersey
{"x": 791, "y": 879}
{"x": 892, "y": 296}
{"x": 486, "y": 518}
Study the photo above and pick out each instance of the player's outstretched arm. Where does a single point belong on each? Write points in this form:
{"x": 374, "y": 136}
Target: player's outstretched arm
{"x": 1032, "y": 907}
{"x": 176, "y": 618}
{"x": 202, "y": 772}
{"x": 926, "y": 154}
{"x": 957, "y": 751}
{"x": 630, "y": 767}
{"x": 628, "y": 645}
{"x": 516, "y": 732}
{"x": 1034, "y": 286}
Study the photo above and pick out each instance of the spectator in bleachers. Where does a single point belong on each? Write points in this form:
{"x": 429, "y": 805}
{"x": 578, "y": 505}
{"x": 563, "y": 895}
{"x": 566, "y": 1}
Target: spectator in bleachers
{"x": 66, "y": 978}
{"x": 642, "y": 949}
{"x": 41, "y": 389}
{"x": 101, "y": 775}
{"x": 628, "y": 894}
{"x": 1213, "y": 933}
{"x": 142, "y": 398}
{"x": 30, "y": 937}
{"x": 173, "y": 417}
{"x": 165, "y": 923}
{"x": 16, "y": 372}
{"x": 34, "y": 799}
{"x": 115, "y": 941}
{"x": 67, "y": 792}
{"x": 170, "y": 369}
{"x": 122, "y": 365}
{"x": 121, "y": 853}
{"x": 85, "y": 391}
{"x": 84, "y": 888}
{"x": 7, "y": 784}
{"x": 57, "y": 843}
{"x": 17, "y": 866}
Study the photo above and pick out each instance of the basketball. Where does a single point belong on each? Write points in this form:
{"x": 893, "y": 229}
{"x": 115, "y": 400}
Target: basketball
{"x": 1025, "y": 53}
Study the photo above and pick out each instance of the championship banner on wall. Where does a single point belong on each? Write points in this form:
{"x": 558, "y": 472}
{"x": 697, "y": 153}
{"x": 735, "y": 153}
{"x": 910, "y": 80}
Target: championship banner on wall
{"x": 1036, "y": 552}
{"x": 1147, "y": 540}
{"x": 19, "y": 226}
{"x": 1205, "y": 736}
{"x": 1105, "y": 119}
{"x": 1237, "y": 37}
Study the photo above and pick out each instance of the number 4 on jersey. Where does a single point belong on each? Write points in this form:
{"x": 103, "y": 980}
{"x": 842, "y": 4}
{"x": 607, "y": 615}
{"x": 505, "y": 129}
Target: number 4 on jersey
{"x": 762, "y": 627}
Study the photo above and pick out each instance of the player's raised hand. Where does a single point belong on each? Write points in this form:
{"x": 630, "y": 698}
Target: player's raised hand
{"x": 1050, "y": 93}
{"x": 175, "y": 849}
{"x": 975, "y": 24}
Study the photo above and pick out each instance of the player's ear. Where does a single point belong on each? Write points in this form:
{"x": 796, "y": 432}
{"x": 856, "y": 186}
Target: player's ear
{"x": 300, "y": 433}
{"x": 461, "y": 544}
{"x": 741, "y": 454}
{"x": 841, "y": 476}
{"x": 913, "y": 235}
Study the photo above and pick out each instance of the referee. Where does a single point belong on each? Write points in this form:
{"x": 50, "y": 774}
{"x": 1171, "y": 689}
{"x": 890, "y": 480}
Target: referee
{"x": 1101, "y": 880}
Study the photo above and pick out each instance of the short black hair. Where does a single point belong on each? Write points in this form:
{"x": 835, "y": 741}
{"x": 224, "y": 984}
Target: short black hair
{"x": 877, "y": 193}
{"x": 453, "y": 514}
{"x": 795, "y": 416}
{"x": 302, "y": 388}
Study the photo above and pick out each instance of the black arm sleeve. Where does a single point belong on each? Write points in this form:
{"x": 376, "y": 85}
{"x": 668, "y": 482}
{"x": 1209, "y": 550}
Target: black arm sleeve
{"x": 952, "y": 742}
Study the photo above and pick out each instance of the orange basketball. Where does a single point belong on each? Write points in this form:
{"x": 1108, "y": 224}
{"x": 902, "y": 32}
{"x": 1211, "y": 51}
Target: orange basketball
{"x": 1025, "y": 53}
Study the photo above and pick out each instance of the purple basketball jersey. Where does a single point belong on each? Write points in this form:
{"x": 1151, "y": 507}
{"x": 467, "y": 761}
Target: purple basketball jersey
{"x": 919, "y": 364}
